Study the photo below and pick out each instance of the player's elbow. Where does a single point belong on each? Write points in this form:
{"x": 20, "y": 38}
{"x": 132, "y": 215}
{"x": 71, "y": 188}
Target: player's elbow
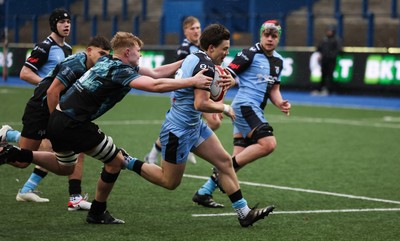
{"x": 200, "y": 106}
{"x": 23, "y": 75}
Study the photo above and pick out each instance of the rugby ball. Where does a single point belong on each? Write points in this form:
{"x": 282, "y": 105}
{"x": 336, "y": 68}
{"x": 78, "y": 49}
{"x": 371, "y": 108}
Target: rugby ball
{"x": 217, "y": 92}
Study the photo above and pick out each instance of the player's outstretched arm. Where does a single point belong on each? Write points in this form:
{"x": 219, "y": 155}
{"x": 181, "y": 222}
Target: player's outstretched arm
{"x": 167, "y": 84}
{"x": 163, "y": 71}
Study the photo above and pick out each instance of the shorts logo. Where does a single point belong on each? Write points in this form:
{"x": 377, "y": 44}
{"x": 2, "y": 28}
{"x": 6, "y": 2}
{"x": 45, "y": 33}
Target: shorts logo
{"x": 42, "y": 132}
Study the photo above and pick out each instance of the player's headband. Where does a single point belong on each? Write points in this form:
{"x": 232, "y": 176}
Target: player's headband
{"x": 270, "y": 25}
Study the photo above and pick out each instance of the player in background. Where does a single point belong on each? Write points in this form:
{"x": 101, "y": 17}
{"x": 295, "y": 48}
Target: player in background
{"x": 43, "y": 102}
{"x": 258, "y": 69}
{"x": 191, "y": 44}
{"x": 71, "y": 129}
{"x": 44, "y": 57}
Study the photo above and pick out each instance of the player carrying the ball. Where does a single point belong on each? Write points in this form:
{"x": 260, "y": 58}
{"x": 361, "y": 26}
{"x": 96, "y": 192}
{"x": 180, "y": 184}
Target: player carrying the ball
{"x": 258, "y": 70}
{"x": 184, "y": 131}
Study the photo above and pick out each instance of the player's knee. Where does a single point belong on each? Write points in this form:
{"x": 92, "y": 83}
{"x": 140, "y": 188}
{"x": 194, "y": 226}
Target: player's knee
{"x": 172, "y": 185}
{"x": 214, "y": 125}
{"x": 240, "y": 141}
{"x": 20, "y": 164}
{"x": 225, "y": 164}
{"x": 106, "y": 151}
{"x": 269, "y": 146}
{"x": 261, "y": 131}
{"x": 65, "y": 170}
{"x": 108, "y": 177}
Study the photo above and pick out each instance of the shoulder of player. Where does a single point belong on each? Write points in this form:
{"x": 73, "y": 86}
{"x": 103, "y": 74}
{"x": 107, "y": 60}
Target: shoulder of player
{"x": 67, "y": 45}
{"x": 78, "y": 58}
{"x": 256, "y": 49}
{"x": 202, "y": 55}
{"x": 45, "y": 45}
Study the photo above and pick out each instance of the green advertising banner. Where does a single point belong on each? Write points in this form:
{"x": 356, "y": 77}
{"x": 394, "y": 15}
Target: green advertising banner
{"x": 362, "y": 72}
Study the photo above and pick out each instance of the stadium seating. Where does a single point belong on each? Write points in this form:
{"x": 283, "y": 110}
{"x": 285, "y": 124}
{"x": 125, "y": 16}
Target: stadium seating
{"x": 159, "y": 21}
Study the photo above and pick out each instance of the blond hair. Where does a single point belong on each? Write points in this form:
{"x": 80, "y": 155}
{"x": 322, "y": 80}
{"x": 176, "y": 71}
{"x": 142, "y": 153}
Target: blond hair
{"x": 189, "y": 21}
{"x": 122, "y": 40}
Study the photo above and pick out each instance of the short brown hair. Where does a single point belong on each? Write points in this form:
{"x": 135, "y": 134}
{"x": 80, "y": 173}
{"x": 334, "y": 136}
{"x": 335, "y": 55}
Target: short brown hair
{"x": 100, "y": 42}
{"x": 214, "y": 34}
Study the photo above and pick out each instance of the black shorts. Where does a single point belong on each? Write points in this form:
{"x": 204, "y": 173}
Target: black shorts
{"x": 67, "y": 134}
{"x": 35, "y": 120}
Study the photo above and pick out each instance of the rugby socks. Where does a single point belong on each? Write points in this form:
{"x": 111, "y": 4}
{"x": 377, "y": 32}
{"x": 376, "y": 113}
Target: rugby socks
{"x": 235, "y": 164}
{"x": 13, "y": 136}
{"x": 74, "y": 187}
{"x": 155, "y": 150}
{"x": 33, "y": 181}
{"x": 97, "y": 208}
{"x": 208, "y": 187}
{"x": 134, "y": 164}
{"x": 239, "y": 204}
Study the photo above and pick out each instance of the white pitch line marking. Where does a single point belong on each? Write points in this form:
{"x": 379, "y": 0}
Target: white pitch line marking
{"x": 309, "y": 212}
{"x": 305, "y": 190}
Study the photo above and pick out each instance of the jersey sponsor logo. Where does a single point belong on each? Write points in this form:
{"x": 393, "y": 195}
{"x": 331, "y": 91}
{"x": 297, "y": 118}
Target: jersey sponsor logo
{"x": 40, "y": 49}
{"x": 234, "y": 66}
{"x": 242, "y": 55}
{"x": 33, "y": 60}
{"x": 182, "y": 52}
{"x": 266, "y": 79}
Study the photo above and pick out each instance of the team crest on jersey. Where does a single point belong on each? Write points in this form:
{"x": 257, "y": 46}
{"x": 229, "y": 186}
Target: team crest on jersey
{"x": 204, "y": 66}
{"x": 253, "y": 49}
{"x": 65, "y": 71}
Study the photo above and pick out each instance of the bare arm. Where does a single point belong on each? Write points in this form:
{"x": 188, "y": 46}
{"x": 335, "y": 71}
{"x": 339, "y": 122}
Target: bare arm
{"x": 203, "y": 103}
{"x": 29, "y": 76}
{"x": 53, "y": 94}
{"x": 150, "y": 84}
{"x": 278, "y": 101}
{"x": 163, "y": 71}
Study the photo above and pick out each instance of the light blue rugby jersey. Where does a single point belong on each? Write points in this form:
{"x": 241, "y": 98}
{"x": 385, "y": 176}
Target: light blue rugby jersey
{"x": 182, "y": 111}
{"x": 257, "y": 74}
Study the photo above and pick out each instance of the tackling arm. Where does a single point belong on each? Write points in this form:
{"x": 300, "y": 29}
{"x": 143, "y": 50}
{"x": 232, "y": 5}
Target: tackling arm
{"x": 166, "y": 84}
{"x": 163, "y": 71}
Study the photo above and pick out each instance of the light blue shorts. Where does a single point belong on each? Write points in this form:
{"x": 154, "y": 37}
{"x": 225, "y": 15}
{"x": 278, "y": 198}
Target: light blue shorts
{"x": 177, "y": 142}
